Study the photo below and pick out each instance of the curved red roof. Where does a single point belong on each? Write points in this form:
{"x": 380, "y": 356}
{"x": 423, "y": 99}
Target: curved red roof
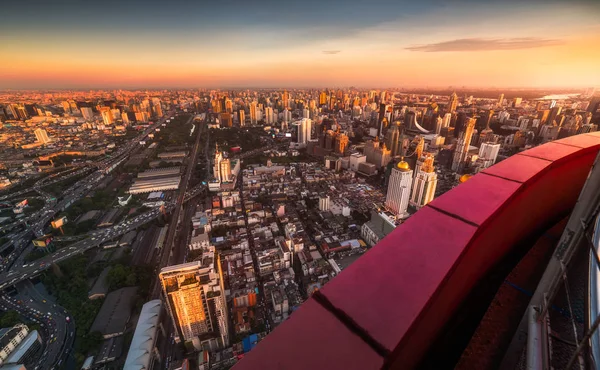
{"x": 389, "y": 306}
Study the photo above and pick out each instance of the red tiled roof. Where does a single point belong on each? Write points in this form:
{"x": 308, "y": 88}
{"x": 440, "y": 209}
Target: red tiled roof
{"x": 393, "y": 302}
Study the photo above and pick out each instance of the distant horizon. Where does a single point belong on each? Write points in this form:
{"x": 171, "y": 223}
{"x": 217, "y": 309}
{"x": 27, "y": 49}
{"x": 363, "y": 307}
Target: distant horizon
{"x": 235, "y": 44}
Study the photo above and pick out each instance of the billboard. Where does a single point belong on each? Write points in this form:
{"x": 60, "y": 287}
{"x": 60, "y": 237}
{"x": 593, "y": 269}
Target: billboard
{"x": 43, "y": 242}
{"x": 58, "y": 223}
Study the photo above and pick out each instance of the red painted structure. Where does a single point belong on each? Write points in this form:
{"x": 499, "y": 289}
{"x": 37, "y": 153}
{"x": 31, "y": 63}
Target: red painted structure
{"x": 386, "y": 309}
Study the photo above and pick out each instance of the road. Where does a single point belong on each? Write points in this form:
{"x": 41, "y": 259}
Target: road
{"x": 166, "y": 253}
{"x": 26, "y": 271}
{"x": 173, "y": 253}
{"x": 60, "y": 333}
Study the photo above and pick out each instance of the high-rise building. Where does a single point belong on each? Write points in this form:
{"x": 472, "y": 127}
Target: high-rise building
{"x": 285, "y": 97}
{"x": 462, "y": 147}
{"x": 242, "y": 117}
{"x": 452, "y": 103}
{"x": 554, "y": 112}
{"x": 125, "y": 117}
{"x": 253, "y": 113}
{"x": 217, "y": 164}
{"x": 488, "y": 152}
{"x": 269, "y": 119}
{"x": 195, "y": 298}
{"x": 377, "y": 153}
{"x": 322, "y": 98}
{"x": 226, "y": 119}
{"x": 391, "y": 139}
{"x": 225, "y": 170}
{"x": 87, "y": 113}
{"x": 500, "y": 99}
{"x": 324, "y": 203}
{"x": 398, "y": 193}
{"x": 305, "y": 113}
{"x": 287, "y": 115}
{"x": 42, "y": 136}
{"x": 425, "y": 182}
{"x": 341, "y": 143}
{"x": 304, "y": 130}
{"x": 107, "y": 116}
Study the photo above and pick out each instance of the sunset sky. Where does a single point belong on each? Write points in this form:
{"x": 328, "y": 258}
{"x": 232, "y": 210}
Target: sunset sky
{"x": 231, "y": 43}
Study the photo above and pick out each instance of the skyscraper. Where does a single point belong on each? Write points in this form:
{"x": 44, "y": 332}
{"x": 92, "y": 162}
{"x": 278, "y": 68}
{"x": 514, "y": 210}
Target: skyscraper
{"x": 285, "y": 98}
{"x": 425, "y": 183}
{"x": 462, "y": 147}
{"x": 41, "y": 136}
{"x": 500, "y": 99}
{"x": 452, "y": 103}
{"x": 242, "y": 117}
{"x": 391, "y": 139}
{"x": 304, "y": 130}
{"x": 398, "y": 193}
{"x": 107, "y": 116}
{"x": 341, "y": 143}
{"x": 217, "y": 163}
{"x": 322, "y": 98}
{"x": 377, "y": 153}
{"x": 195, "y": 298}
{"x": 488, "y": 152}
{"x": 225, "y": 170}
{"x": 269, "y": 115}
{"x": 253, "y": 113}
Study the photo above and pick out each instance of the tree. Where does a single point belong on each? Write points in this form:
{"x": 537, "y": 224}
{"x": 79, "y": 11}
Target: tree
{"x": 9, "y": 318}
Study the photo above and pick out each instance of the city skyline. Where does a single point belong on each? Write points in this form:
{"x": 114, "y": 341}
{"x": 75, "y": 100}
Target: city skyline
{"x": 385, "y": 44}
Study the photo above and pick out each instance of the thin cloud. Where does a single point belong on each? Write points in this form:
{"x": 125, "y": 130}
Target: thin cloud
{"x": 331, "y": 52}
{"x": 479, "y": 44}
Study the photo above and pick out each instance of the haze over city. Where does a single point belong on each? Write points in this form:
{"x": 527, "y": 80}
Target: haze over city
{"x": 140, "y": 44}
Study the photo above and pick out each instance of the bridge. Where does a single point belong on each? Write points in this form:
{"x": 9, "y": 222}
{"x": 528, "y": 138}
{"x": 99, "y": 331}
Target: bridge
{"x": 410, "y": 296}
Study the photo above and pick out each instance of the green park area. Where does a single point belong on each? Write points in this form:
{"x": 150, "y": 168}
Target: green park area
{"x": 246, "y": 138}
{"x": 176, "y": 132}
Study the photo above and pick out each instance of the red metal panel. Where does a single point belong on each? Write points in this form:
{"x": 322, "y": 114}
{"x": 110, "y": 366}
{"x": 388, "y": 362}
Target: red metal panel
{"x": 519, "y": 168}
{"x": 476, "y": 199}
{"x": 311, "y": 339}
{"x": 409, "y": 263}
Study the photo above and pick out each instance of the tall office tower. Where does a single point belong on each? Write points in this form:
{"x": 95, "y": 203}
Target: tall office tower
{"x": 287, "y": 115}
{"x": 447, "y": 120}
{"x": 228, "y": 105}
{"x": 285, "y": 99}
{"x": 324, "y": 203}
{"x": 420, "y": 147}
{"x": 225, "y": 169}
{"x": 452, "y": 103}
{"x": 107, "y": 117}
{"x": 462, "y": 147}
{"x": 391, "y": 139}
{"x": 253, "y": 113}
{"x": 305, "y": 113}
{"x": 87, "y": 113}
{"x": 500, "y": 100}
{"x": 425, "y": 183}
{"x": 594, "y": 105}
{"x": 382, "y": 110}
{"x": 226, "y": 119}
{"x": 377, "y": 153}
{"x": 217, "y": 163}
{"x": 195, "y": 298}
{"x": 242, "y": 117}
{"x": 125, "y": 118}
{"x": 554, "y": 112}
{"x": 488, "y": 152}
{"x": 304, "y": 130}
{"x": 459, "y": 125}
{"x": 269, "y": 115}
{"x": 322, "y": 98}
{"x": 398, "y": 193}
{"x": 66, "y": 106}
{"x": 518, "y": 102}
{"x": 158, "y": 109}
{"x": 41, "y": 136}
{"x": 341, "y": 143}
{"x": 216, "y": 105}
{"x": 439, "y": 122}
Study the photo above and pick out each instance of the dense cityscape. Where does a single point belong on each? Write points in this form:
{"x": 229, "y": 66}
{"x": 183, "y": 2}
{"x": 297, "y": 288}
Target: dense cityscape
{"x": 339, "y": 185}
{"x": 161, "y": 229}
